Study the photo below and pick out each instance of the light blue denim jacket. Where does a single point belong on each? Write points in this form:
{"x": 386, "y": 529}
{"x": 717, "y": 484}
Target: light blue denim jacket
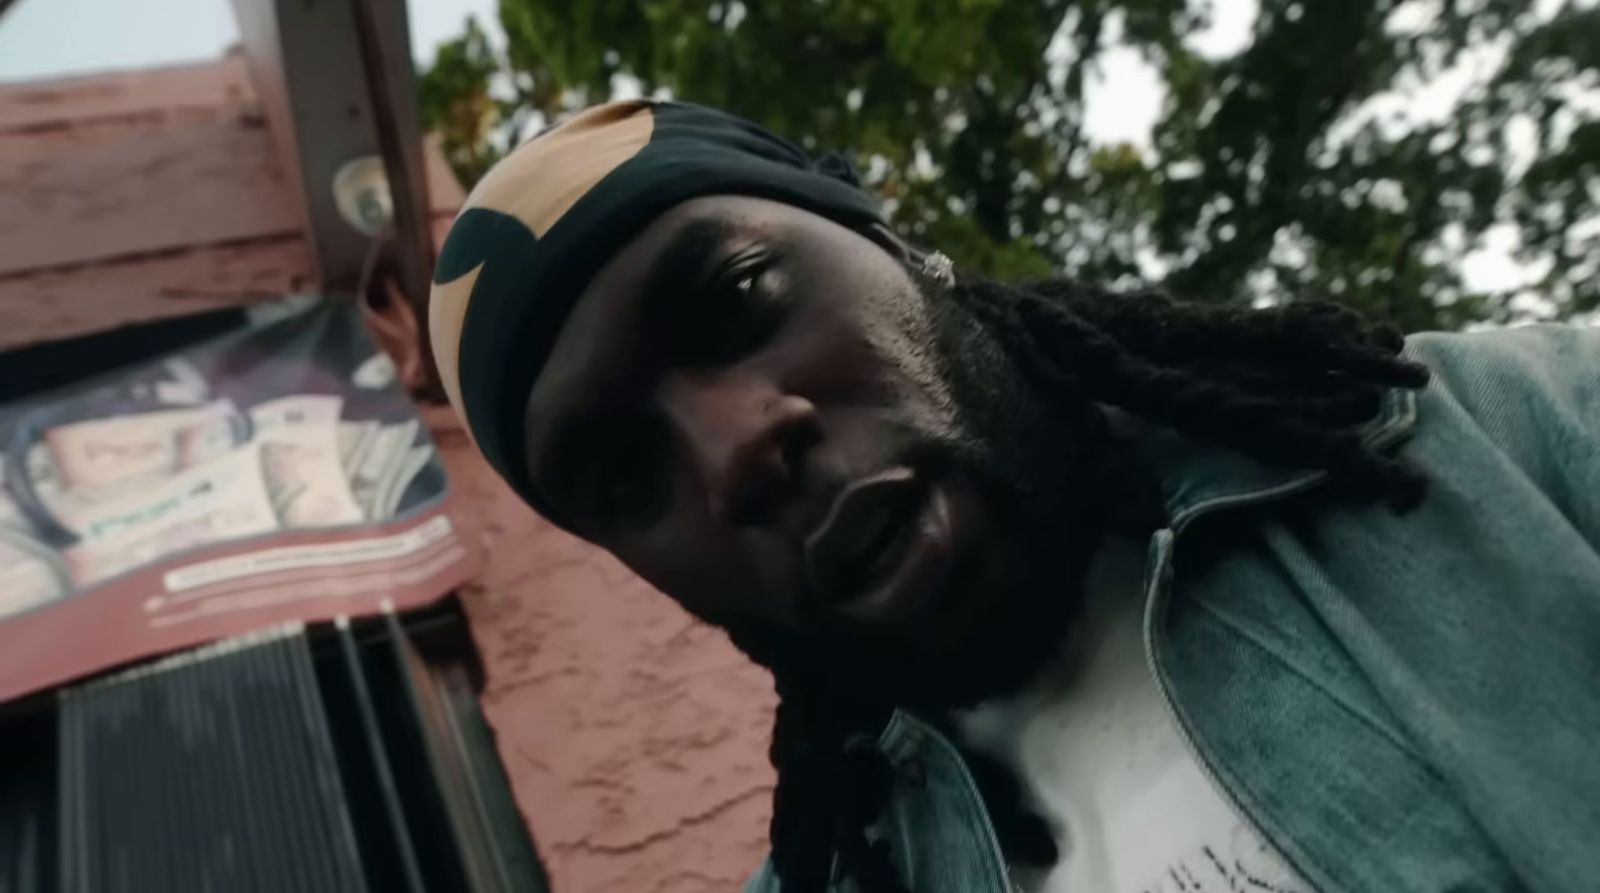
{"x": 1396, "y": 702}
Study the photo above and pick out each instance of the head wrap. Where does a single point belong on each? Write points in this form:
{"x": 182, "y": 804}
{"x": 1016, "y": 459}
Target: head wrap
{"x": 540, "y": 224}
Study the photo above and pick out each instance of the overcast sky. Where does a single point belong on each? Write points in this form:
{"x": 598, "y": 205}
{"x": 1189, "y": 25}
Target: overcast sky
{"x": 45, "y": 38}
{"x": 51, "y": 38}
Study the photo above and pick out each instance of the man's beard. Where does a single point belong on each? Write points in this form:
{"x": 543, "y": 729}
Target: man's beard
{"x": 1041, "y": 462}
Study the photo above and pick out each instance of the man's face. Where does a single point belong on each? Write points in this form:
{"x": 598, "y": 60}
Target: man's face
{"x": 763, "y": 414}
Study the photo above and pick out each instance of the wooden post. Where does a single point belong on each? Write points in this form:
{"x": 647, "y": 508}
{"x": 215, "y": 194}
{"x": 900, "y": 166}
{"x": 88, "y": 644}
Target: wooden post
{"x": 386, "y": 58}
{"x": 336, "y": 82}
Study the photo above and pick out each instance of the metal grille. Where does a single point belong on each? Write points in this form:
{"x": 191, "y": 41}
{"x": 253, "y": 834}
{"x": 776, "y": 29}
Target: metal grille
{"x": 213, "y": 771}
{"x": 27, "y": 807}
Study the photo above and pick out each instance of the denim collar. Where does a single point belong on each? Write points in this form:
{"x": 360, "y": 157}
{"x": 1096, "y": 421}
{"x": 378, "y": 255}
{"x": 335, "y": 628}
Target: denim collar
{"x": 1200, "y": 478}
{"x": 1195, "y": 479}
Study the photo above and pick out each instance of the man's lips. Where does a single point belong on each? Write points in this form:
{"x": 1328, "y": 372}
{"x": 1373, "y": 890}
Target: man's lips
{"x": 886, "y": 543}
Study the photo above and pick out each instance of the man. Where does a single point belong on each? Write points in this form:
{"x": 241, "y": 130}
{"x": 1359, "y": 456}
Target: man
{"x": 1062, "y": 590}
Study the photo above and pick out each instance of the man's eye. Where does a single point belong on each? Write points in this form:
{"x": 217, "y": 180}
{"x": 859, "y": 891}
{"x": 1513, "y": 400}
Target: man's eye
{"x": 743, "y": 292}
{"x": 737, "y": 315}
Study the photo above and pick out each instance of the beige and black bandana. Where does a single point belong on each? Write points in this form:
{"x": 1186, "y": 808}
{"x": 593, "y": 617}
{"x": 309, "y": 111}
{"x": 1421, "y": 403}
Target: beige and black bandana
{"x": 539, "y": 225}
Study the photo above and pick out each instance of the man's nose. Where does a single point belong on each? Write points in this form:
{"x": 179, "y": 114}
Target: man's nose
{"x": 746, "y": 439}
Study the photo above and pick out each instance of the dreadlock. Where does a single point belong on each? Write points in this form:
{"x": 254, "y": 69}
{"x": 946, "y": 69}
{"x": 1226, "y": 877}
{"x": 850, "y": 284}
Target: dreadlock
{"x": 1288, "y": 385}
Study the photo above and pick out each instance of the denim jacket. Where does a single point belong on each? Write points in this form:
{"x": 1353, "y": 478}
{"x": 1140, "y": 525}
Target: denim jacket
{"x": 1396, "y": 702}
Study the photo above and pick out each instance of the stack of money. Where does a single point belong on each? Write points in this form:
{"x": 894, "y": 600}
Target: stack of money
{"x": 355, "y": 439}
{"x": 12, "y": 516}
{"x": 135, "y": 489}
{"x": 82, "y": 463}
{"x": 300, "y": 454}
{"x": 381, "y": 461}
{"x": 30, "y": 573}
{"x": 46, "y": 480}
{"x": 129, "y": 449}
{"x": 224, "y": 499}
{"x": 296, "y": 409}
{"x": 183, "y": 385}
{"x": 387, "y": 502}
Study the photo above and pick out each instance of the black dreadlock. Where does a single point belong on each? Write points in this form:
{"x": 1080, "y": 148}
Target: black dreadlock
{"x": 1288, "y": 385}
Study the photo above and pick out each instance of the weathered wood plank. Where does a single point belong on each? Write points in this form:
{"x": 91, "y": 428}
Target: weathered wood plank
{"x": 63, "y": 102}
{"x": 62, "y": 303}
{"x": 142, "y": 192}
{"x": 149, "y": 194}
{"x": 202, "y": 170}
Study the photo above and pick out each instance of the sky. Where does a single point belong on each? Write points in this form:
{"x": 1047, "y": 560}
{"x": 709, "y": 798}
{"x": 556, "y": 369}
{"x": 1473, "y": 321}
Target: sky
{"x": 54, "y": 38}
{"x": 50, "y": 38}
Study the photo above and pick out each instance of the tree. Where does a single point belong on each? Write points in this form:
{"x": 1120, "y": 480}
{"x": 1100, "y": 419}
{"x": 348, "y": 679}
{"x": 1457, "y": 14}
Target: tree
{"x": 1268, "y": 177}
{"x": 456, "y": 102}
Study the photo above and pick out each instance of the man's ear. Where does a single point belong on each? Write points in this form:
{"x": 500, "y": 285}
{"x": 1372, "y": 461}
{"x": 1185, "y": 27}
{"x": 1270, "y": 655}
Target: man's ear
{"x": 398, "y": 330}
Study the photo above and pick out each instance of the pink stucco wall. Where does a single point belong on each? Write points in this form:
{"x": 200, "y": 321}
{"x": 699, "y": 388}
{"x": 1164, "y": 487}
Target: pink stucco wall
{"x": 635, "y": 738}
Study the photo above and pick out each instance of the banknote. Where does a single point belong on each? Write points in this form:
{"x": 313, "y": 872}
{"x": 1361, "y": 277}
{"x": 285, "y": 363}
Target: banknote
{"x": 183, "y": 383}
{"x": 355, "y": 438}
{"x": 304, "y": 476}
{"x": 96, "y": 453}
{"x": 207, "y": 439}
{"x": 387, "y": 502}
{"x": 46, "y": 480}
{"x": 297, "y": 409}
{"x": 376, "y": 461}
{"x": 11, "y": 514}
{"x": 376, "y": 372}
{"x": 381, "y": 465}
{"x": 223, "y": 499}
{"x": 30, "y": 574}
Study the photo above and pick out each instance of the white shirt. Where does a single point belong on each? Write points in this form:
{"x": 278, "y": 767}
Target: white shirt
{"x": 1104, "y": 763}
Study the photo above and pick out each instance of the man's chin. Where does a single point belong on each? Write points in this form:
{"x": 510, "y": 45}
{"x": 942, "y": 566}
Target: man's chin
{"x": 998, "y": 617}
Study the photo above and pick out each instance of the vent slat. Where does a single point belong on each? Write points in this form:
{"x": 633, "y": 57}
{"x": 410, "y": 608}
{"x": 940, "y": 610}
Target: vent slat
{"x": 211, "y": 771}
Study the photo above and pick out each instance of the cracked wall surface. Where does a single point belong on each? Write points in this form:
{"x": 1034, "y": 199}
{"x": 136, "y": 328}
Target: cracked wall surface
{"x": 635, "y": 738}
